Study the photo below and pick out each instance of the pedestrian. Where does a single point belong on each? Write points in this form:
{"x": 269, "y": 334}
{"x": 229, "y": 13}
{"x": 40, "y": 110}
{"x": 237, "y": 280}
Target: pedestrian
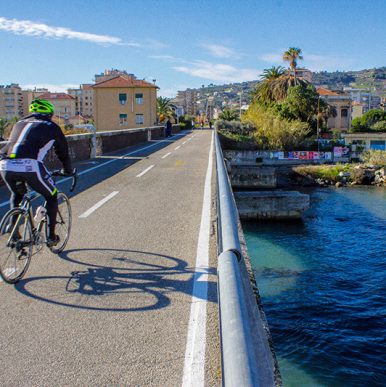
{"x": 210, "y": 124}
{"x": 168, "y": 128}
{"x": 202, "y": 124}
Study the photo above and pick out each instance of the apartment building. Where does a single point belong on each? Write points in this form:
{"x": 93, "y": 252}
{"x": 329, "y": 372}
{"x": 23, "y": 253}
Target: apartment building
{"x": 84, "y": 100}
{"x": 29, "y": 96}
{"x": 124, "y": 102}
{"x": 364, "y": 97}
{"x": 108, "y": 74}
{"x": 188, "y": 100}
{"x": 342, "y": 103}
{"x": 64, "y": 105}
{"x": 302, "y": 73}
{"x": 11, "y": 101}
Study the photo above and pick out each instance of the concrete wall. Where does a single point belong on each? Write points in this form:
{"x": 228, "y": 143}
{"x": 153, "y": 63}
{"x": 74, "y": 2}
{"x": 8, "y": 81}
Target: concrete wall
{"x": 271, "y": 204}
{"x": 253, "y": 176}
{"x": 90, "y": 145}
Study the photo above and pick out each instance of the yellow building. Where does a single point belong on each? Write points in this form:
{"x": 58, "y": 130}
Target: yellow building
{"x": 124, "y": 102}
{"x": 11, "y": 101}
{"x": 64, "y": 105}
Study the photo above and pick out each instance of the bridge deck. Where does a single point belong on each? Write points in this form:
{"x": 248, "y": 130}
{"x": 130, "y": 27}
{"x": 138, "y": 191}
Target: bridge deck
{"x": 116, "y": 307}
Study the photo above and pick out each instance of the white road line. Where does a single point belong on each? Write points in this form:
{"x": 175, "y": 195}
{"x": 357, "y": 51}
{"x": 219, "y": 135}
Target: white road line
{"x": 146, "y": 170}
{"x": 99, "y": 204}
{"x": 167, "y": 154}
{"x": 184, "y": 143}
{"x": 194, "y": 367}
{"x": 102, "y": 164}
{"x": 178, "y": 147}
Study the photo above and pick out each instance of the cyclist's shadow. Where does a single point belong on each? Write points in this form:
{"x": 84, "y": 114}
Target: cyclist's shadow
{"x": 121, "y": 281}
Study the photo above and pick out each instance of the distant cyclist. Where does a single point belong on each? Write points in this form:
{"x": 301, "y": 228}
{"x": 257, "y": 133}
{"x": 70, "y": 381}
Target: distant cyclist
{"x": 30, "y": 140}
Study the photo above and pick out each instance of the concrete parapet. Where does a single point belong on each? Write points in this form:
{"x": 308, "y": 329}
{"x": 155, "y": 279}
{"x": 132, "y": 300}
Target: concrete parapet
{"x": 271, "y": 204}
{"x": 89, "y": 145}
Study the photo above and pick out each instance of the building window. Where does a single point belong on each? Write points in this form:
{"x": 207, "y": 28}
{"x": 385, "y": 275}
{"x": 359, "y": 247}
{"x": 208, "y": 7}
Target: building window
{"x": 122, "y": 119}
{"x": 139, "y": 119}
{"x": 122, "y": 98}
{"x": 344, "y": 112}
{"x": 139, "y": 98}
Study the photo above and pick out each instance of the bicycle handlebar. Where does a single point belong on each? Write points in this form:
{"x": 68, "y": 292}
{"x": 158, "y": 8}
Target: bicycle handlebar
{"x": 74, "y": 176}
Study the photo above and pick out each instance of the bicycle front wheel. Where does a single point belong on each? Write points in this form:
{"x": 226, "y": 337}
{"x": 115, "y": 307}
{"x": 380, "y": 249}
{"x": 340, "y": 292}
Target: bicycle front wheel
{"x": 16, "y": 244}
{"x": 63, "y": 223}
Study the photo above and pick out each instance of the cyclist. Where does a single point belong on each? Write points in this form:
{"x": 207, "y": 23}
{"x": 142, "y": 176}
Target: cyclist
{"x": 30, "y": 140}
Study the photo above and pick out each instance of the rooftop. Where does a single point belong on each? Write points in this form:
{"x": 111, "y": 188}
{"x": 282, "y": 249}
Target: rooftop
{"x": 123, "y": 81}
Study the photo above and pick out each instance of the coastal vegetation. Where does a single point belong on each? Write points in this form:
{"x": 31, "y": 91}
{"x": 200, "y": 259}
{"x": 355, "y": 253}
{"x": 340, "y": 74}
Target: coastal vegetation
{"x": 285, "y": 110}
{"x": 372, "y": 121}
{"x": 372, "y": 170}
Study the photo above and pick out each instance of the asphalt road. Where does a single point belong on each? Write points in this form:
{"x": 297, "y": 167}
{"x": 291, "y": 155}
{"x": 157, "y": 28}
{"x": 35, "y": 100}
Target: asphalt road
{"x": 128, "y": 303}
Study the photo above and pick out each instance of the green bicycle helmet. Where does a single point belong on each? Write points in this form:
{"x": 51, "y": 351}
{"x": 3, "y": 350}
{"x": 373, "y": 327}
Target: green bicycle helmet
{"x": 41, "y": 106}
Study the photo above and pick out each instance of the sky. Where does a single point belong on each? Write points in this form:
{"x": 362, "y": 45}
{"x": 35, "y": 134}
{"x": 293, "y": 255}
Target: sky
{"x": 182, "y": 44}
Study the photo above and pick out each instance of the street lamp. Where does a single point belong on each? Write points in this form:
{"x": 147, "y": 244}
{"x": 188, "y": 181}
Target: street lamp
{"x": 317, "y": 123}
{"x": 240, "y": 94}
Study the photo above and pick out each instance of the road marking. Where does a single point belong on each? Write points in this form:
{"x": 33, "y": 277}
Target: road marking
{"x": 178, "y": 147}
{"x": 99, "y": 204}
{"x": 146, "y": 170}
{"x": 103, "y": 164}
{"x": 194, "y": 367}
{"x": 167, "y": 154}
{"x": 184, "y": 143}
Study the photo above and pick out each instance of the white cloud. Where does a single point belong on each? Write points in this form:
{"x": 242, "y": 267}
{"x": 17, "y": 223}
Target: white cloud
{"x": 27, "y": 27}
{"x": 272, "y": 58}
{"x": 51, "y": 87}
{"x": 220, "y": 51}
{"x": 168, "y": 58}
{"x": 218, "y": 72}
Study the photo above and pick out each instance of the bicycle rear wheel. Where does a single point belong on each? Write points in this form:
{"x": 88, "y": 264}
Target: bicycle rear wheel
{"x": 63, "y": 223}
{"x": 16, "y": 245}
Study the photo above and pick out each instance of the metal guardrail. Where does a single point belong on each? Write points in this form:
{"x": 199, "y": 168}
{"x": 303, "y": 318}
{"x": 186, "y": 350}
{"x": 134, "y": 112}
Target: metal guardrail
{"x": 246, "y": 357}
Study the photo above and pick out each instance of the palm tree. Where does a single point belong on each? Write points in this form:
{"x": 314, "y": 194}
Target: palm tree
{"x": 164, "y": 108}
{"x": 292, "y": 55}
{"x": 274, "y": 85}
{"x": 272, "y": 73}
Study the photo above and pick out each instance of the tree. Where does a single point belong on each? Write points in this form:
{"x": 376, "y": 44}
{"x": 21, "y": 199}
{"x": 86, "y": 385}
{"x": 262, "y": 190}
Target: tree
{"x": 369, "y": 121}
{"x": 273, "y": 90}
{"x": 273, "y": 131}
{"x": 292, "y": 55}
{"x": 4, "y": 123}
{"x": 164, "y": 108}
{"x": 229, "y": 115}
{"x": 272, "y": 73}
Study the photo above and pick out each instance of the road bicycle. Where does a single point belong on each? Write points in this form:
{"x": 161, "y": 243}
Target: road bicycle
{"x": 20, "y": 232}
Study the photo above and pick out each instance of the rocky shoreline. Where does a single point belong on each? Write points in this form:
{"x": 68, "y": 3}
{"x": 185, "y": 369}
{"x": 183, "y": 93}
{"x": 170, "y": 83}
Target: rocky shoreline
{"x": 358, "y": 175}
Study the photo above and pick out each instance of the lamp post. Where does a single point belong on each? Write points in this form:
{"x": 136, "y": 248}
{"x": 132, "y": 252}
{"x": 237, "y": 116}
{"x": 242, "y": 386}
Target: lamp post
{"x": 240, "y": 94}
{"x": 317, "y": 123}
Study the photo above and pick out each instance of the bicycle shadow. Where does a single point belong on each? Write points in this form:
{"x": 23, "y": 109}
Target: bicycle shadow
{"x": 121, "y": 281}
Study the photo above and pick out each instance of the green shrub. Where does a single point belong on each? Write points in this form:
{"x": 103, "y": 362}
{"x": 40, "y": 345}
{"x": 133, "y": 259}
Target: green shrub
{"x": 374, "y": 157}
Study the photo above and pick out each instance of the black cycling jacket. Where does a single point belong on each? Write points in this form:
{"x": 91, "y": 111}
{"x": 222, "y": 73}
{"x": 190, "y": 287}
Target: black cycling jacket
{"x": 32, "y": 138}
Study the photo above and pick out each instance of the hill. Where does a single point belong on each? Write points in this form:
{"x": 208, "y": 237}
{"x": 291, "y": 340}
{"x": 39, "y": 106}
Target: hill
{"x": 229, "y": 94}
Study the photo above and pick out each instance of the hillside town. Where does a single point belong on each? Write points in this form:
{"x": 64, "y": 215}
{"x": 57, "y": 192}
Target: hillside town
{"x": 119, "y": 100}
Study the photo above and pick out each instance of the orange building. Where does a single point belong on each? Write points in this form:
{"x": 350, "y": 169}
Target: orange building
{"x": 124, "y": 102}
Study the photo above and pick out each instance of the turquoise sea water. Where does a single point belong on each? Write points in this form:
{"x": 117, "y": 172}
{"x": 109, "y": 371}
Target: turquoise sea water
{"x": 323, "y": 286}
